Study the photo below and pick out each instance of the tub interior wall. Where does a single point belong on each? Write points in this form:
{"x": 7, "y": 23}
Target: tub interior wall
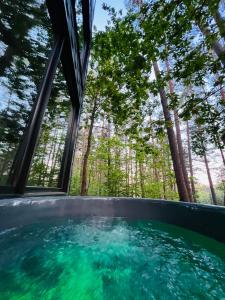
{"x": 204, "y": 219}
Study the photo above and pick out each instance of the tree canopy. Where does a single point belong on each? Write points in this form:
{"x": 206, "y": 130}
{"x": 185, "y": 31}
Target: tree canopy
{"x": 156, "y": 108}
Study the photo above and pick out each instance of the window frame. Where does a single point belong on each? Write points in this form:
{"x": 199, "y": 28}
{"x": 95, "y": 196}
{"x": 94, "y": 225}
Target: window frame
{"x": 65, "y": 49}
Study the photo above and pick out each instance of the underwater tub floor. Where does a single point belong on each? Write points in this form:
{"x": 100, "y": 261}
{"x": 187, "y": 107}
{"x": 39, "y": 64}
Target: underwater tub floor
{"x": 109, "y": 258}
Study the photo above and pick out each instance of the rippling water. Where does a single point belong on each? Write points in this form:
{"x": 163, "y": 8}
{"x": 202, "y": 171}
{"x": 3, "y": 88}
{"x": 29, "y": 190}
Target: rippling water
{"x": 102, "y": 258}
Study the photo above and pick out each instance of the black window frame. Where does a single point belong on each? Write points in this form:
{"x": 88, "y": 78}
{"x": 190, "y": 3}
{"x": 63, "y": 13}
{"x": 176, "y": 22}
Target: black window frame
{"x": 74, "y": 64}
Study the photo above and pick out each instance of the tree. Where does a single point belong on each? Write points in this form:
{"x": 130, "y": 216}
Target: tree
{"x": 133, "y": 145}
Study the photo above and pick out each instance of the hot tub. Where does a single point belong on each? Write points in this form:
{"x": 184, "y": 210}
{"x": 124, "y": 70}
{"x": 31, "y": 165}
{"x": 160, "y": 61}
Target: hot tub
{"x": 110, "y": 248}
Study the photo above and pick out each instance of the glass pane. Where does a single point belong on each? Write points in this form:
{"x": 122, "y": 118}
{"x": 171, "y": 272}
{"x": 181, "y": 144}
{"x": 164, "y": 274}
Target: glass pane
{"x": 25, "y": 39}
{"x": 79, "y": 18}
{"x": 48, "y": 155}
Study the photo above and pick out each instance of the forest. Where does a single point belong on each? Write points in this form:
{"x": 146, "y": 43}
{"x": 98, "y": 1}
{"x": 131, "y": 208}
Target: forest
{"x": 154, "y": 108}
{"x": 152, "y": 122}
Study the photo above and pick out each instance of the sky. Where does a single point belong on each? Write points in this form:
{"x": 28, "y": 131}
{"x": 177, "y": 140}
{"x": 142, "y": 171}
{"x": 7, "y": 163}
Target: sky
{"x": 100, "y": 19}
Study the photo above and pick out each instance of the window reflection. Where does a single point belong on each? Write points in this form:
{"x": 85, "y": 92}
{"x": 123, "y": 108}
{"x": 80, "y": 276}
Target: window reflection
{"x": 79, "y": 19}
{"x": 48, "y": 155}
{"x": 25, "y": 39}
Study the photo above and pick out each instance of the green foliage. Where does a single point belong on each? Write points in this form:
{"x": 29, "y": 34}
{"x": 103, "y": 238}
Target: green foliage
{"x": 183, "y": 33}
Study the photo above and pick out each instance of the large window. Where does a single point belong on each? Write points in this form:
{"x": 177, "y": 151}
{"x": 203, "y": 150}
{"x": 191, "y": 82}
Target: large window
{"x": 25, "y": 40}
{"x": 46, "y": 164}
{"x": 39, "y": 107}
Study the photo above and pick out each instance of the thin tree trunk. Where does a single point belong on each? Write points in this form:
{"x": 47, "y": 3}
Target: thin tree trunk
{"x": 190, "y": 163}
{"x": 117, "y": 167}
{"x": 179, "y": 139}
{"x": 222, "y": 155}
{"x": 109, "y": 159}
{"x": 154, "y": 167}
{"x": 141, "y": 179}
{"x": 222, "y": 93}
{"x": 46, "y": 172}
{"x": 181, "y": 154}
{"x": 101, "y": 175}
{"x": 183, "y": 194}
{"x": 216, "y": 46}
{"x": 84, "y": 135}
{"x": 4, "y": 165}
{"x": 53, "y": 168}
{"x": 213, "y": 194}
{"x": 84, "y": 183}
{"x": 42, "y": 163}
{"x": 164, "y": 183}
{"x": 163, "y": 173}
{"x": 127, "y": 167}
{"x": 131, "y": 172}
{"x": 136, "y": 176}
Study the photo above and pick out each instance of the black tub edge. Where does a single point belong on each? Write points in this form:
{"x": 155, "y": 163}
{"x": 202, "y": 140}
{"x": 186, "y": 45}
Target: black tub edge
{"x": 205, "y": 219}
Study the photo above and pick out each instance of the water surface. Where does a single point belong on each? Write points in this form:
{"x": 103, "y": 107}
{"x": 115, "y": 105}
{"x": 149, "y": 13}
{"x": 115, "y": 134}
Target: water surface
{"x": 104, "y": 258}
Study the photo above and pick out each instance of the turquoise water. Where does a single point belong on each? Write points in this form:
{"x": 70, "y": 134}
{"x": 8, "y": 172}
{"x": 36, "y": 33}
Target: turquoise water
{"x": 102, "y": 258}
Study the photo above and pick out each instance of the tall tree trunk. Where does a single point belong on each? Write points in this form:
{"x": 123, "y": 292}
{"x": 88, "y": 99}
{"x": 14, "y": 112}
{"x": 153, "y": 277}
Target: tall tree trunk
{"x": 179, "y": 139}
{"x": 136, "y": 175}
{"x": 100, "y": 163}
{"x": 117, "y": 167}
{"x": 46, "y": 173}
{"x": 131, "y": 172}
{"x": 190, "y": 163}
{"x": 109, "y": 166}
{"x": 141, "y": 179}
{"x": 181, "y": 154}
{"x": 213, "y": 194}
{"x": 163, "y": 172}
{"x": 223, "y": 184}
{"x": 53, "y": 167}
{"x": 216, "y": 45}
{"x": 84, "y": 135}
{"x": 41, "y": 174}
{"x": 183, "y": 194}
{"x": 84, "y": 185}
{"x": 127, "y": 167}
{"x": 154, "y": 163}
